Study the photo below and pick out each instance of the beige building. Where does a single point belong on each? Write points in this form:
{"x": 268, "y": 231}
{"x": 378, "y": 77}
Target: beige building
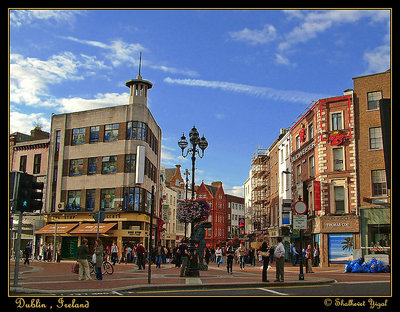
{"x": 104, "y": 160}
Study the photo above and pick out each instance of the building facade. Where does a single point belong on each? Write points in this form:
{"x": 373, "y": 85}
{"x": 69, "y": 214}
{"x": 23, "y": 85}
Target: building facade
{"x": 373, "y": 192}
{"x": 235, "y": 216}
{"x": 29, "y": 154}
{"x": 324, "y": 176}
{"x": 104, "y": 160}
{"x": 214, "y": 195}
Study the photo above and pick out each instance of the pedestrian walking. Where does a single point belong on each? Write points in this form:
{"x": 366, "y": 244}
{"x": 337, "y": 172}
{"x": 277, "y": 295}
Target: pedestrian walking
{"x": 98, "y": 251}
{"x": 279, "y": 255}
{"x": 27, "y": 252}
{"x": 230, "y": 254}
{"x": 309, "y": 260}
{"x": 207, "y": 255}
{"x": 265, "y": 253}
{"x": 183, "y": 251}
{"x": 295, "y": 254}
{"x": 82, "y": 258}
{"x": 114, "y": 252}
{"x": 159, "y": 254}
{"x": 242, "y": 255}
{"x": 218, "y": 254}
{"x": 140, "y": 252}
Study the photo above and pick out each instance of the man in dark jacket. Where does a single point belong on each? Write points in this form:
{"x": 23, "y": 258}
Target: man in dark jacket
{"x": 82, "y": 258}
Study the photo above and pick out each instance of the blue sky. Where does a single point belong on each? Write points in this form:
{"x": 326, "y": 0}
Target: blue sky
{"x": 238, "y": 75}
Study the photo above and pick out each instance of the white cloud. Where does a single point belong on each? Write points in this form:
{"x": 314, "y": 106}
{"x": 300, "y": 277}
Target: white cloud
{"x": 280, "y": 59}
{"x": 264, "y": 92}
{"x": 265, "y": 35}
{"x": 378, "y": 60}
{"x": 26, "y": 17}
{"x": 24, "y": 123}
{"x": 31, "y": 77}
{"x": 234, "y": 190}
{"x": 120, "y": 52}
{"x": 100, "y": 100}
{"x": 316, "y": 22}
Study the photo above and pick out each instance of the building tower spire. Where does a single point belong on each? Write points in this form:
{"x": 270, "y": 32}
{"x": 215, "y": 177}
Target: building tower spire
{"x": 140, "y": 66}
{"x": 138, "y": 87}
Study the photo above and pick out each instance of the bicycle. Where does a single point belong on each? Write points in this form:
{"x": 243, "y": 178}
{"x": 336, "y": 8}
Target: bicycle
{"x": 107, "y": 268}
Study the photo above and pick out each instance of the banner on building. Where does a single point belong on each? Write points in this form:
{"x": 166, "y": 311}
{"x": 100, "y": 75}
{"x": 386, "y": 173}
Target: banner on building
{"x": 317, "y": 195}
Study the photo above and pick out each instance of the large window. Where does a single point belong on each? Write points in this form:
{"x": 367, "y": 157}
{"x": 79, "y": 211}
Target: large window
{"x": 373, "y": 100}
{"x": 74, "y": 200}
{"x": 109, "y": 164}
{"x": 78, "y": 136}
{"x": 22, "y": 163}
{"x": 111, "y": 132}
{"x": 76, "y": 167}
{"x": 375, "y": 138}
{"x": 36, "y": 163}
{"x": 378, "y": 183}
{"x": 311, "y": 166}
{"x": 107, "y": 198}
{"x": 130, "y": 163}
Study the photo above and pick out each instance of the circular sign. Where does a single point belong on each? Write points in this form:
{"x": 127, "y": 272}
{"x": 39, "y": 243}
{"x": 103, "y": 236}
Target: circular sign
{"x": 300, "y": 207}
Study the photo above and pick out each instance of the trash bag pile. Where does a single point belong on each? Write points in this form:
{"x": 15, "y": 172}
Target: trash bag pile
{"x": 358, "y": 266}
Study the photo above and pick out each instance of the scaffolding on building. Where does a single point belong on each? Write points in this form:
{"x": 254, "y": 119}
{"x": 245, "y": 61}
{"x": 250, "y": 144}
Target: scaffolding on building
{"x": 260, "y": 188}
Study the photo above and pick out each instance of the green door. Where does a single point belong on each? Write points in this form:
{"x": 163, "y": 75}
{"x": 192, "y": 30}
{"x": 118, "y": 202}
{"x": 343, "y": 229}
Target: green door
{"x": 69, "y": 247}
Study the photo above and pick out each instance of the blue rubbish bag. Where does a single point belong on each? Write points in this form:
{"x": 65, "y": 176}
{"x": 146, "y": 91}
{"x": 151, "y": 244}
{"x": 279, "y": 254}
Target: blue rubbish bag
{"x": 365, "y": 267}
{"x": 348, "y": 266}
{"x": 357, "y": 268}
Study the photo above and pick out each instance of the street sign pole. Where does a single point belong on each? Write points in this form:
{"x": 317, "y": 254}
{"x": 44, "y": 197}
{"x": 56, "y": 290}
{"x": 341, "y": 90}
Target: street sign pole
{"x": 300, "y": 208}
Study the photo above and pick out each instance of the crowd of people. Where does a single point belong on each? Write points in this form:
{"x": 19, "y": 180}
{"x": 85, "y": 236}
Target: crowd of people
{"x": 178, "y": 255}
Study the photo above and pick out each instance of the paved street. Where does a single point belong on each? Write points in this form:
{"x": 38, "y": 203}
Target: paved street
{"x": 55, "y": 279}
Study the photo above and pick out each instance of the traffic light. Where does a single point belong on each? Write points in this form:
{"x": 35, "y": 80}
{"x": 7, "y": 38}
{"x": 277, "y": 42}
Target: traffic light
{"x": 24, "y": 191}
{"x": 29, "y": 195}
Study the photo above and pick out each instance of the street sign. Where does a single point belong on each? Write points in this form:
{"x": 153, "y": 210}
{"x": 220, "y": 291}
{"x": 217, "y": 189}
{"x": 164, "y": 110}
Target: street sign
{"x": 299, "y": 222}
{"x": 300, "y": 207}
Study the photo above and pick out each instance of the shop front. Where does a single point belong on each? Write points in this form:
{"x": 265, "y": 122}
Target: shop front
{"x": 336, "y": 237}
{"x": 68, "y": 229}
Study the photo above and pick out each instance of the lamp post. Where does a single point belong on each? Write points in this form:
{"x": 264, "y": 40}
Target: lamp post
{"x": 195, "y": 141}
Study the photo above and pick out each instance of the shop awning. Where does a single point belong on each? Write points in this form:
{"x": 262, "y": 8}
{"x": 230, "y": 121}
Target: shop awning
{"x": 62, "y": 228}
{"x": 91, "y": 228}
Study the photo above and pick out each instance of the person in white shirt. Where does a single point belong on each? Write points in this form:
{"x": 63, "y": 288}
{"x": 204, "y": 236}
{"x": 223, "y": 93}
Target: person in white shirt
{"x": 218, "y": 254}
{"x": 279, "y": 255}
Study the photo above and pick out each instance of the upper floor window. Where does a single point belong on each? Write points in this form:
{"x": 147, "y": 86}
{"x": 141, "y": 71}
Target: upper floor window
{"x": 336, "y": 121}
{"x": 338, "y": 163}
{"x": 109, "y": 164}
{"x": 22, "y": 163}
{"x": 36, "y": 163}
{"x": 94, "y": 134}
{"x": 310, "y": 131}
{"x": 111, "y": 132}
{"x": 76, "y": 167}
{"x": 78, "y": 136}
{"x": 379, "y": 183}
{"x": 373, "y": 100}
{"x": 375, "y": 138}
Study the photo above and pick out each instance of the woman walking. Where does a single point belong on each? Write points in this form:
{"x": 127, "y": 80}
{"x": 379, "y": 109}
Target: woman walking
{"x": 98, "y": 251}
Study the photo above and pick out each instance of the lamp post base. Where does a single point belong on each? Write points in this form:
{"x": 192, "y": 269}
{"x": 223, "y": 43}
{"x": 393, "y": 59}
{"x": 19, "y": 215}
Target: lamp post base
{"x": 193, "y": 268}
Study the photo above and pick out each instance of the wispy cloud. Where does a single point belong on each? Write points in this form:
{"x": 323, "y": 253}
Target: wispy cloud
{"x": 264, "y": 92}
{"x": 267, "y": 34}
{"x": 19, "y": 18}
{"x": 119, "y": 52}
{"x": 315, "y": 22}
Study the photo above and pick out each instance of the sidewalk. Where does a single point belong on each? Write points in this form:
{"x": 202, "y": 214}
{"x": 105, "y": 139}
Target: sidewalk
{"x": 56, "y": 278}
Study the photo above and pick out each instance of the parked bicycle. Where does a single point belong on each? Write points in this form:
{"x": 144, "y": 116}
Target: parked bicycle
{"x": 106, "y": 268}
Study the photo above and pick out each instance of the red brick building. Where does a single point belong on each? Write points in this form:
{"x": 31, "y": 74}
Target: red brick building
{"x": 324, "y": 174}
{"x": 215, "y": 196}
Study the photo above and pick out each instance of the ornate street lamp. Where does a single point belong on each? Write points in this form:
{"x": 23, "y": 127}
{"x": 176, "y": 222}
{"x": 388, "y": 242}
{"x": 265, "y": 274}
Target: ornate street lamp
{"x": 195, "y": 141}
